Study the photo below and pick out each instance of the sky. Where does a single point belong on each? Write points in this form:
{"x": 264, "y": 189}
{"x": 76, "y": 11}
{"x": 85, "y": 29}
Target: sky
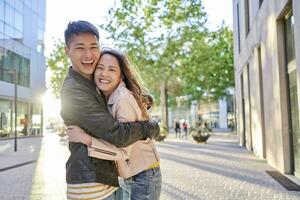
{"x": 60, "y": 12}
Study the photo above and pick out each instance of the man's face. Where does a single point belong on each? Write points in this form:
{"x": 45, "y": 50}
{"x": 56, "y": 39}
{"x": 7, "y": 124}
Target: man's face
{"x": 84, "y": 53}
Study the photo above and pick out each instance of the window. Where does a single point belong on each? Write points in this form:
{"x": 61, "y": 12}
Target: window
{"x": 1, "y": 10}
{"x": 289, "y": 37}
{"x": 238, "y": 26}
{"x": 247, "y": 17}
{"x": 9, "y": 15}
{"x": 19, "y": 5}
{"x": 1, "y": 26}
{"x": 11, "y": 60}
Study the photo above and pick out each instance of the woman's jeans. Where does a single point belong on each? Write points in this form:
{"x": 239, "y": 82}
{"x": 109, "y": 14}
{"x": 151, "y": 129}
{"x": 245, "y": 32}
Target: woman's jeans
{"x": 117, "y": 195}
{"x": 146, "y": 185}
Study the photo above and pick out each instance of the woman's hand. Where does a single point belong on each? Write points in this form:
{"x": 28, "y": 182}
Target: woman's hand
{"x": 76, "y": 134}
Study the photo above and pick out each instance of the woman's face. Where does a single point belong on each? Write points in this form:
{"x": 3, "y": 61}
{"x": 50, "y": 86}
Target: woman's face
{"x": 107, "y": 74}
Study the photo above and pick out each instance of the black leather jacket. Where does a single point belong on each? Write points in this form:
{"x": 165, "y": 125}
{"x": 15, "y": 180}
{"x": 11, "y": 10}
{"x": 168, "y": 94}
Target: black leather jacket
{"x": 82, "y": 105}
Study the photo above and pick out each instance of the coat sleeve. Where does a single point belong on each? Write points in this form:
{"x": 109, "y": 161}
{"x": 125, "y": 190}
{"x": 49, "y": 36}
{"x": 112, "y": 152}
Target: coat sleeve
{"x": 106, "y": 151}
{"x": 125, "y": 109}
{"x": 80, "y": 106}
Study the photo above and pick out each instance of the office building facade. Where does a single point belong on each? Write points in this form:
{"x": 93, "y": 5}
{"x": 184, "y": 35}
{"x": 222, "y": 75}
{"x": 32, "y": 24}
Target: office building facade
{"x": 267, "y": 69}
{"x": 22, "y": 66}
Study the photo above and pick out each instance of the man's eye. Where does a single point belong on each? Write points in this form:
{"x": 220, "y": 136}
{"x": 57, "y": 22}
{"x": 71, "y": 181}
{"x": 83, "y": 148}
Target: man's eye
{"x": 80, "y": 48}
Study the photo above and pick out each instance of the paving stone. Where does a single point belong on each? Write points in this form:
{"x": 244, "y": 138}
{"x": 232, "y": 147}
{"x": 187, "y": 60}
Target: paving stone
{"x": 219, "y": 169}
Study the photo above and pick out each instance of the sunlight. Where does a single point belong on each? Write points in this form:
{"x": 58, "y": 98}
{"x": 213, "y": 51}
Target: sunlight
{"x": 51, "y": 107}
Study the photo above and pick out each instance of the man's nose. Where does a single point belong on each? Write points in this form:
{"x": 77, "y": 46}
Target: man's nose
{"x": 88, "y": 53}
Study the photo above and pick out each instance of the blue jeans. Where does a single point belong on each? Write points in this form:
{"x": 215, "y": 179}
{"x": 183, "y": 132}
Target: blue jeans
{"x": 146, "y": 185}
{"x": 117, "y": 195}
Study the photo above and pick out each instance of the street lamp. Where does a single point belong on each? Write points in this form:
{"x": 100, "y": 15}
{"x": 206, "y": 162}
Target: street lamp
{"x": 14, "y": 72}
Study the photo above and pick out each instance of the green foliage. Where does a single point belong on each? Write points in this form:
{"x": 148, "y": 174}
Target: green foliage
{"x": 169, "y": 44}
{"x": 58, "y": 65}
{"x": 156, "y": 35}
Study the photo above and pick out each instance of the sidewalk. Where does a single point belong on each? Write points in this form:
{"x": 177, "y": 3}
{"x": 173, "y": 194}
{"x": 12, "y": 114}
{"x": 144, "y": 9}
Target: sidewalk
{"x": 219, "y": 169}
{"x": 36, "y": 171}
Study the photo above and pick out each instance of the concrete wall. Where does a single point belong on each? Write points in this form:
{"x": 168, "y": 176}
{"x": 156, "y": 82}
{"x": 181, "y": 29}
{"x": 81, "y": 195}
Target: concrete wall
{"x": 266, "y": 125}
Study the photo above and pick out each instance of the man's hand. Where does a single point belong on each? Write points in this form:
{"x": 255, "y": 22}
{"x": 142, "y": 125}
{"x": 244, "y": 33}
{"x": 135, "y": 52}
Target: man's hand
{"x": 76, "y": 134}
{"x": 153, "y": 128}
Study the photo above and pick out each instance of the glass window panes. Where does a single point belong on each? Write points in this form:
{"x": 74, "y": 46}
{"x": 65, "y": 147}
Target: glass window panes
{"x": 10, "y": 2}
{"x": 289, "y": 38}
{"x": 9, "y": 31}
{"x": 1, "y": 10}
{"x": 12, "y": 60}
{"x": 28, "y": 3}
{"x": 1, "y": 26}
{"x": 19, "y": 21}
{"x": 24, "y": 72}
{"x": 5, "y": 113}
{"x": 1, "y": 63}
{"x": 34, "y": 6}
{"x": 9, "y": 15}
{"x": 18, "y": 36}
{"x": 247, "y": 17}
{"x": 19, "y": 5}
{"x": 2, "y": 39}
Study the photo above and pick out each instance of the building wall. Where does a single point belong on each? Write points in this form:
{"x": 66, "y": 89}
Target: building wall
{"x": 27, "y": 18}
{"x": 264, "y": 129}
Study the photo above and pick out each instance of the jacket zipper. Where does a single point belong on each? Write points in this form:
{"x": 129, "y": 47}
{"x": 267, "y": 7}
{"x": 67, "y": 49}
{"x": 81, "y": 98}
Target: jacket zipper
{"x": 104, "y": 151}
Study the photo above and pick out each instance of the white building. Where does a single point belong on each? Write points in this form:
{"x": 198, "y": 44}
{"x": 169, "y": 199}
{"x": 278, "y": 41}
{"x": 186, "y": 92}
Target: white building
{"x": 267, "y": 69}
{"x": 22, "y": 27}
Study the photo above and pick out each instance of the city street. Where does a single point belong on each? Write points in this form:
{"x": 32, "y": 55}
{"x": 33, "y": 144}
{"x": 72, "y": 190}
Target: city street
{"x": 219, "y": 169}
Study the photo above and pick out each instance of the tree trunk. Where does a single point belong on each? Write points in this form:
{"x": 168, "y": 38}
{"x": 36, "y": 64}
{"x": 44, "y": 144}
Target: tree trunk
{"x": 164, "y": 104}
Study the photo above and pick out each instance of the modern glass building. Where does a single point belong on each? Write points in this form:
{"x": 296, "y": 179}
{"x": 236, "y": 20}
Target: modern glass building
{"x": 22, "y": 66}
{"x": 267, "y": 77}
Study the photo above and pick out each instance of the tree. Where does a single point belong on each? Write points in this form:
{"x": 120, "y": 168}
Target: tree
{"x": 155, "y": 33}
{"x": 58, "y": 64}
{"x": 209, "y": 70}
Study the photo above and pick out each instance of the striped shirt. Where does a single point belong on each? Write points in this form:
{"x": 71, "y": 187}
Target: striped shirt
{"x": 89, "y": 191}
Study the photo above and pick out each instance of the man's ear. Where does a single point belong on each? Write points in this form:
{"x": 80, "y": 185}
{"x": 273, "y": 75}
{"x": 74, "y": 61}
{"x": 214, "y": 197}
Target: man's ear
{"x": 66, "y": 50}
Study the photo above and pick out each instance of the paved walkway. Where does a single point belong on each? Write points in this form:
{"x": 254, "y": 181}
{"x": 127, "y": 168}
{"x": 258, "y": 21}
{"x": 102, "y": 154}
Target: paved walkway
{"x": 219, "y": 169}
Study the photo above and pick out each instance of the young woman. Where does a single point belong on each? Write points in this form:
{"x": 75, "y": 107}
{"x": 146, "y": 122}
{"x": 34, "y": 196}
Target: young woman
{"x": 127, "y": 101}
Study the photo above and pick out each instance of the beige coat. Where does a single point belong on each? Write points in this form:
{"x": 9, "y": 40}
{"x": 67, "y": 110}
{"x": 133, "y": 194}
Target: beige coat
{"x": 138, "y": 156}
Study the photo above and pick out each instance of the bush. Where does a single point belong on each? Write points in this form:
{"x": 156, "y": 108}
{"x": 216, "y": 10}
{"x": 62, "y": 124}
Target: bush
{"x": 163, "y": 133}
{"x": 200, "y": 134}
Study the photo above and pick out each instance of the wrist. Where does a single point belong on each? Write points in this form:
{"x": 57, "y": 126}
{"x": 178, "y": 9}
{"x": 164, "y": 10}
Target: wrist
{"x": 87, "y": 140}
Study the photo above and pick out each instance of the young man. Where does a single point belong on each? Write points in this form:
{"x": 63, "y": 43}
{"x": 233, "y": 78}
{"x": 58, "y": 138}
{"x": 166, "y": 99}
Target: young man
{"x": 84, "y": 106}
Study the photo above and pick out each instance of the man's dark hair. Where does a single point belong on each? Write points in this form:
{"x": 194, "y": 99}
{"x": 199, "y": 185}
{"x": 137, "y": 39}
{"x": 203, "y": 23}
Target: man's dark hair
{"x": 77, "y": 27}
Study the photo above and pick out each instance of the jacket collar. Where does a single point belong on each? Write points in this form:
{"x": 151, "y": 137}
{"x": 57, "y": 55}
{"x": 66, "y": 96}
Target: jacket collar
{"x": 116, "y": 93}
{"x": 77, "y": 76}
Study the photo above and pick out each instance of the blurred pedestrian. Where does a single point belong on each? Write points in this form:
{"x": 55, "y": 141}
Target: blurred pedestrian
{"x": 84, "y": 106}
{"x": 185, "y": 128}
{"x": 177, "y": 128}
{"x": 137, "y": 164}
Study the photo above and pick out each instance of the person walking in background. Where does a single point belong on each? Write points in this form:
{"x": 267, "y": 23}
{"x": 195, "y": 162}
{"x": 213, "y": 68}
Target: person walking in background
{"x": 185, "y": 128}
{"x": 84, "y": 106}
{"x": 137, "y": 164}
{"x": 177, "y": 128}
